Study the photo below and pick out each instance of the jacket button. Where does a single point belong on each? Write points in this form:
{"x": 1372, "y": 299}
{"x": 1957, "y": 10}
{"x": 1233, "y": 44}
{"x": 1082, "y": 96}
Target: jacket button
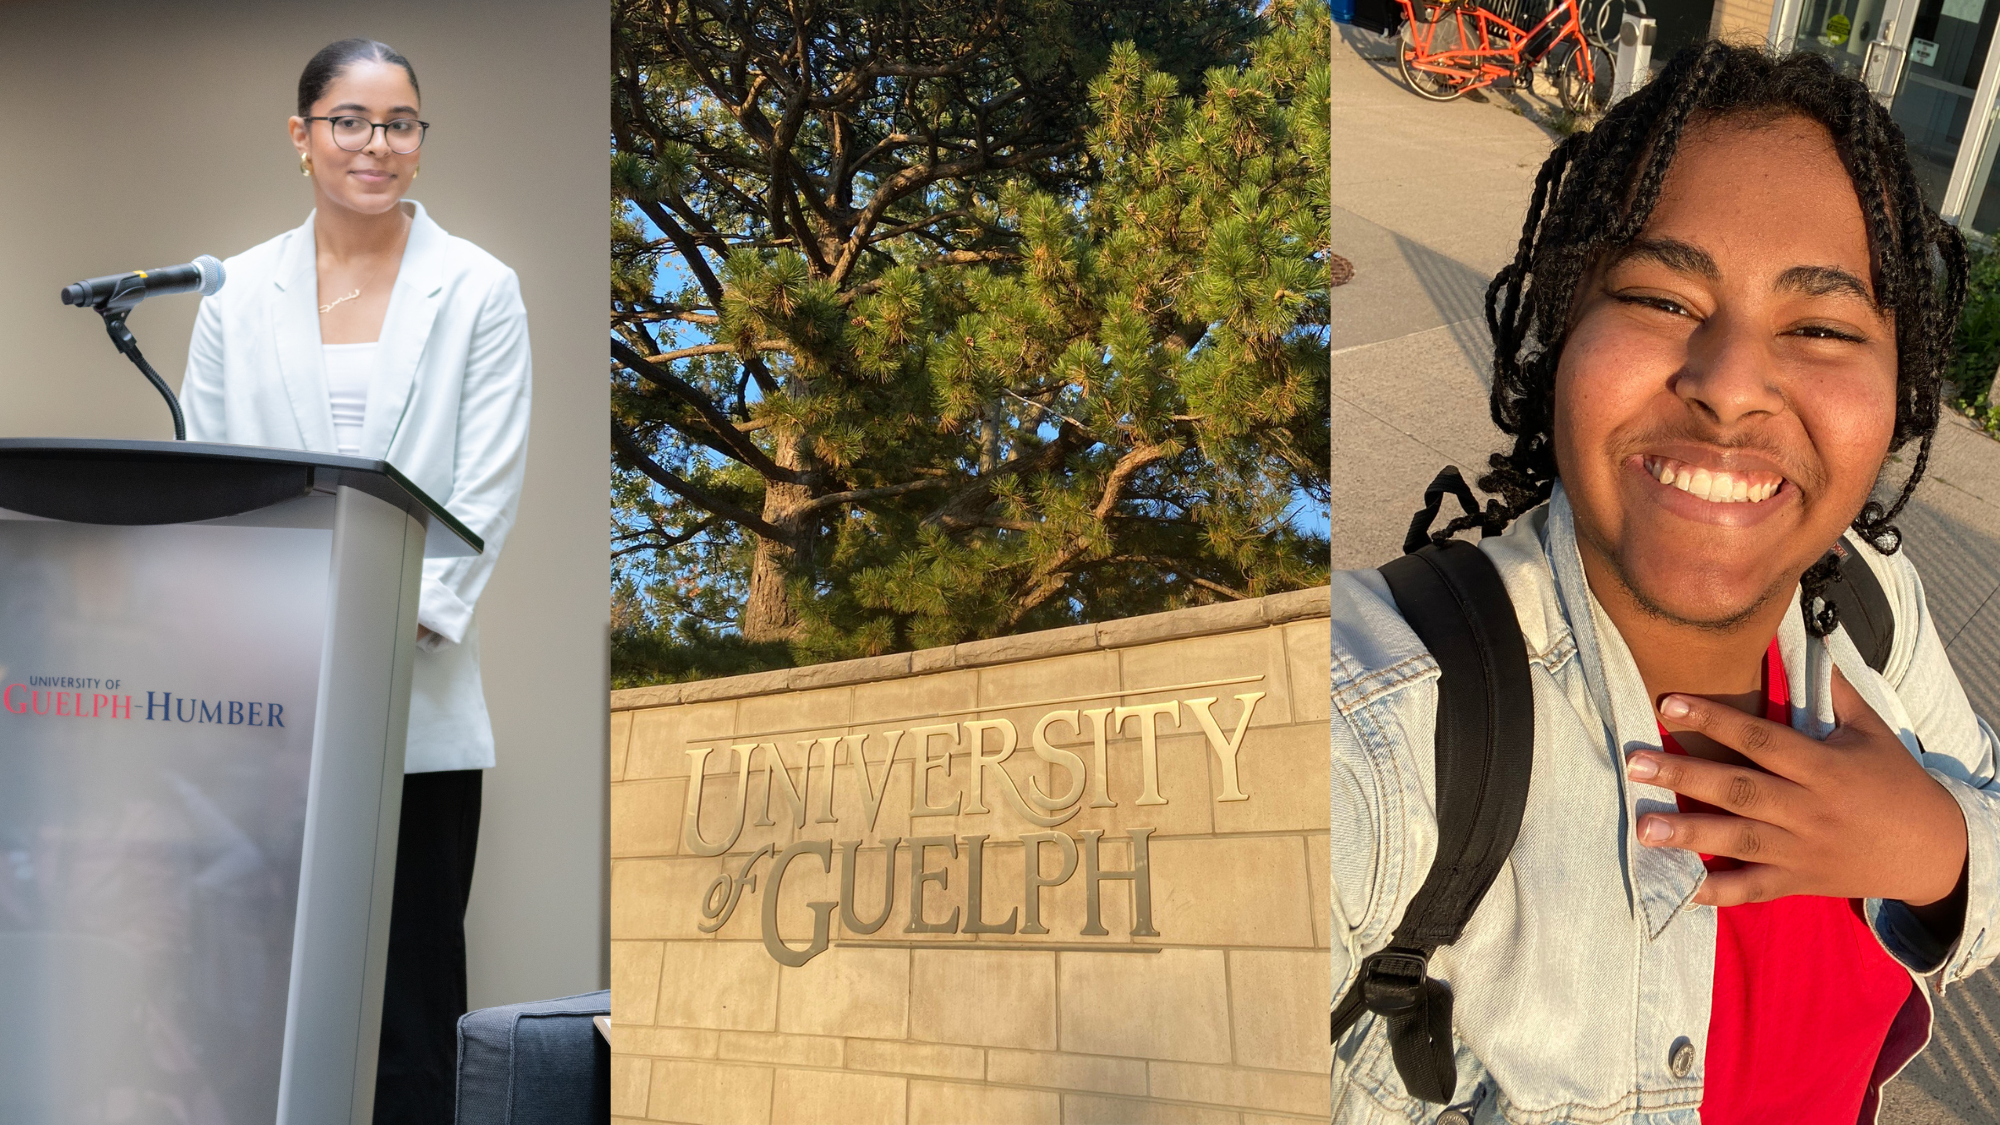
{"x": 1454, "y": 1117}
{"x": 1680, "y": 1057}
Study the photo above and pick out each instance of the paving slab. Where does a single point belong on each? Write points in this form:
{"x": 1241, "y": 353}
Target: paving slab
{"x": 1407, "y": 287}
{"x": 1959, "y": 562}
{"x": 1952, "y": 1082}
{"x": 1403, "y": 409}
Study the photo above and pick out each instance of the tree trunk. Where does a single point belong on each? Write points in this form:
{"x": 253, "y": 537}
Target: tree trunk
{"x": 989, "y": 436}
{"x": 770, "y": 613}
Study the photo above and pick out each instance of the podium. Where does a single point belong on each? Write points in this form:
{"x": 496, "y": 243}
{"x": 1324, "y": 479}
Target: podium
{"x": 205, "y": 662}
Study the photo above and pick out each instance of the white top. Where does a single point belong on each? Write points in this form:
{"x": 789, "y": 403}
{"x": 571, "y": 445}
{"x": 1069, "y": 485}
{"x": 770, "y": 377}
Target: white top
{"x": 448, "y": 407}
{"x": 349, "y": 370}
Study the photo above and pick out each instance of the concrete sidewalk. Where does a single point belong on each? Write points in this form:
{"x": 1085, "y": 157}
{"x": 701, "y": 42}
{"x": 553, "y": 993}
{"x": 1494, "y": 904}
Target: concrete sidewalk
{"x": 1428, "y": 201}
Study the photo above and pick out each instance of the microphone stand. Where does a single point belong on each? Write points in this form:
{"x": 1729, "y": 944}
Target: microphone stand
{"x": 114, "y": 309}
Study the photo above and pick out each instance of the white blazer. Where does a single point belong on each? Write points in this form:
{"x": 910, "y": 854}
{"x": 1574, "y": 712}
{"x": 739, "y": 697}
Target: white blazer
{"x": 448, "y": 407}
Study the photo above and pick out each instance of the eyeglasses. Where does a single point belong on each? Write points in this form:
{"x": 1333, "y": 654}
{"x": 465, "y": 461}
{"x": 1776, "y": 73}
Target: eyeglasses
{"x": 405, "y": 134}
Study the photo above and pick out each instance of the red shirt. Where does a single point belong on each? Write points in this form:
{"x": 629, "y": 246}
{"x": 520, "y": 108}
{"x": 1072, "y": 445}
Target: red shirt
{"x": 1804, "y": 993}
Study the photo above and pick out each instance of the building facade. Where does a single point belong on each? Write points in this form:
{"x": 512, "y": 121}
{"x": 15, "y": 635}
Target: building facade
{"x": 1930, "y": 61}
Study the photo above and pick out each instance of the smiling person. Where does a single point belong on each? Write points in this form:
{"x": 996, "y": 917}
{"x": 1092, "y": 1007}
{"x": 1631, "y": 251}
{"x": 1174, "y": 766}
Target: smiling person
{"x": 368, "y": 331}
{"x": 1746, "y": 847}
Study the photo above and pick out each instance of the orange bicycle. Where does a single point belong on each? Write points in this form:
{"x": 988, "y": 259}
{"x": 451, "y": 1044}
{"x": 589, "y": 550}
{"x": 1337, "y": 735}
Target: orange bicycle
{"x": 1452, "y": 46}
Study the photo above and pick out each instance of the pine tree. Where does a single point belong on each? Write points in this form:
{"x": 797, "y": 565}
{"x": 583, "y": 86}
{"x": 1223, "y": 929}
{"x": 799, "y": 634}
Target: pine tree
{"x": 1016, "y": 335}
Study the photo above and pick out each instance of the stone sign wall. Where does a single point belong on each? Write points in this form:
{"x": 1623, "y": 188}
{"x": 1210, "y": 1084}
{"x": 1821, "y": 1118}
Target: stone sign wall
{"x": 1073, "y": 876}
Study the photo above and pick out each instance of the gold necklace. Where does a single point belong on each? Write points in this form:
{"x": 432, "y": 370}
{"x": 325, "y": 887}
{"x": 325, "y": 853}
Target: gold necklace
{"x": 353, "y": 295}
{"x": 337, "y": 301}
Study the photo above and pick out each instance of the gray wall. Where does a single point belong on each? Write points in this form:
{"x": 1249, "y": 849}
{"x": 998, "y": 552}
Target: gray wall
{"x": 142, "y": 134}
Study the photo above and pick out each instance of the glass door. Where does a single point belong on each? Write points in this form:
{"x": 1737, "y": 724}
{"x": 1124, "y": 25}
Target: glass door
{"x": 1842, "y": 30}
{"x": 1940, "y": 83}
{"x": 1972, "y": 200}
{"x": 1931, "y": 62}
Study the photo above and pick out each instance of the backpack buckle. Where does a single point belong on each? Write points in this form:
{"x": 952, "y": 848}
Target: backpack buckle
{"x": 1393, "y": 980}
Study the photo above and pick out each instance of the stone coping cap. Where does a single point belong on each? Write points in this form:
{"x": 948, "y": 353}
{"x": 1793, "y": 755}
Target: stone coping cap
{"x": 1195, "y": 621}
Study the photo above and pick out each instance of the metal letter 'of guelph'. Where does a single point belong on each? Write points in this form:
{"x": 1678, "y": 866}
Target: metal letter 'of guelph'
{"x": 718, "y": 909}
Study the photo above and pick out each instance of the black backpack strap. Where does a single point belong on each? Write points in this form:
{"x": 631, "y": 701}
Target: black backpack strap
{"x": 1864, "y": 607}
{"x": 1454, "y": 600}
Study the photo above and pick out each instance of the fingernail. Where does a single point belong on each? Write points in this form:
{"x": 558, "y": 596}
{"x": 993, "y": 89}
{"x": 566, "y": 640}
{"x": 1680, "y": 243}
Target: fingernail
{"x": 1673, "y": 707}
{"x": 1653, "y": 831}
{"x": 1642, "y": 768}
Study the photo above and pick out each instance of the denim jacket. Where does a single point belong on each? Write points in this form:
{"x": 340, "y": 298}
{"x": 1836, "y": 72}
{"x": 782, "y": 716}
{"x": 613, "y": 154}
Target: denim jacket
{"x": 1587, "y": 964}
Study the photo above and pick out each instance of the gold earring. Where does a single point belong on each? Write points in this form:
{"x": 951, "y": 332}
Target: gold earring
{"x": 305, "y": 165}
{"x": 415, "y": 172}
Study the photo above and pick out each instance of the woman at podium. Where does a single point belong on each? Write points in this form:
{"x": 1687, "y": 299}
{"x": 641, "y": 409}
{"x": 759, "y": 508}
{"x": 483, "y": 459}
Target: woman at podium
{"x": 369, "y": 331}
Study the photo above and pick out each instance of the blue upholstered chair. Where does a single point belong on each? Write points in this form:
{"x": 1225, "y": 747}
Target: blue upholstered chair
{"x": 541, "y": 1063}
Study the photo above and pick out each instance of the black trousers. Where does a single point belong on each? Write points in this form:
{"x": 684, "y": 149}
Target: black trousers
{"x": 424, "y": 992}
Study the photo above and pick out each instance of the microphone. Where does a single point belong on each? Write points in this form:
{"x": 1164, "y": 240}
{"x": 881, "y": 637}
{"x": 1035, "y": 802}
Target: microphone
{"x": 114, "y": 298}
{"x": 127, "y": 289}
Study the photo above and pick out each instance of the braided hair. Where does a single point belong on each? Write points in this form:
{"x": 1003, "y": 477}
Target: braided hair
{"x": 1595, "y": 193}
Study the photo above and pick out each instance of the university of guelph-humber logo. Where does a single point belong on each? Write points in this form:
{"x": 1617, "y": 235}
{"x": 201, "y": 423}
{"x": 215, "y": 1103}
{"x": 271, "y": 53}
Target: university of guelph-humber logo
{"x": 81, "y": 697}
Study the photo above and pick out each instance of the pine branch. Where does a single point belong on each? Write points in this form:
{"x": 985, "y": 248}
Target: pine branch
{"x": 740, "y": 447}
{"x": 653, "y": 539}
{"x": 688, "y": 247}
{"x": 1122, "y": 473}
{"x": 644, "y": 316}
{"x": 907, "y": 228}
{"x": 860, "y": 495}
{"x": 711, "y": 285}
{"x": 697, "y": 431}
{"x": 716, "y": 349}
{"x": 965, "y": 509}
{"x": 914, "y": 179}
{"x": 852, "y": 86}
{"x": 628, "y": 447}
{"x": 1179, "y": 567}
{"x": 1052, "y": 575}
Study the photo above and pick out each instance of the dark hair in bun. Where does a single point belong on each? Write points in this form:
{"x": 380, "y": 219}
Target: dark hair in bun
{"x": 336, "y": 57}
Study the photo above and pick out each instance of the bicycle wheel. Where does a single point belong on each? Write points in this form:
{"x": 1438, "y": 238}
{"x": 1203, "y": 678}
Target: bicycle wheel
{"x": 1581, "y": 95}
{"x": 1430, "y": 84}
